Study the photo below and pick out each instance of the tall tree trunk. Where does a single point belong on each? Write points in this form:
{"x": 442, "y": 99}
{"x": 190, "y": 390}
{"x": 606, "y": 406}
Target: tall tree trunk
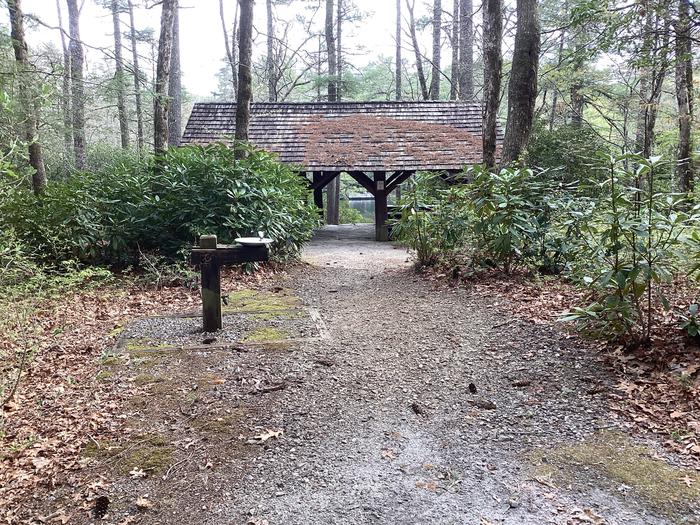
{"x": 333, "y": 188}
{"x": 77, "y": 62}
{"x": 230, "y": 47}
{"x": 466, "y": 50}
{"x": 339, "y": 49}
{"x": 65, "y": 88}
{"x": 454, "y": 41}
{"x": 137, "y": 79}
{"x": 522, "y": 89}
{"x": 416, "y": 49}
{"x": 684, "y": 83}
{"x": 331, "y": 52}
{"x": 161, "y": 101}
{"x": 175, "y": 87}
{"x": 119, "y": 76}
{"x": 245, "y": 76}
{"x": 436, "y": 75}
{"x": 31, "y": 134}
{"x": 270, "y": 66}
{"x": 493, "y": 62}
{"x": 398, "y": 74}
{"x": 555, "y": 91}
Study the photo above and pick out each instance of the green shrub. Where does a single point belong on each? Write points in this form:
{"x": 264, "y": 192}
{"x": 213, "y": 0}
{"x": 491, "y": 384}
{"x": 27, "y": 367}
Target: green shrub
{"x": 628, "y": 248}
{"x": 162, "y": 205}
{"x": 572, "y": 154}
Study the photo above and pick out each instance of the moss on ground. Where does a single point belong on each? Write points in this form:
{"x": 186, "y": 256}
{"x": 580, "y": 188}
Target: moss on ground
{"x": 261, "y": 301}
{"x": 266, "y": 335}
{"x": 612, "y": 458}
{"x": 227, "y": 424}
{"x": 150, "y": 453}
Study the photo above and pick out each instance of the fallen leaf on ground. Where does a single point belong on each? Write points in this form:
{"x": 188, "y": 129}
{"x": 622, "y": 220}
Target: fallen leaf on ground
{"x": 265, "y": 436}
{"x": 137, "y": 473}
{"x": 143, "y": 503}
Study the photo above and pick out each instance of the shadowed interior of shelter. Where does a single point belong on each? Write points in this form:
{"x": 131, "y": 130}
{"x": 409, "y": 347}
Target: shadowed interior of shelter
{"x": 379, "y": 144}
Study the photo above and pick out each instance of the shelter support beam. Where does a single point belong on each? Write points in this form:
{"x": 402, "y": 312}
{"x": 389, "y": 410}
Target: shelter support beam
{"x": 397, "y": 178}
{"x": 318, "y": 191}
{"x": 381, "y": 212}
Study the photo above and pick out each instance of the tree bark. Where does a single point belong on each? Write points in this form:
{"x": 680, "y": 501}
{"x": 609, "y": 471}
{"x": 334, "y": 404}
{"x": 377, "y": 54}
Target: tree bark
{"x": 270, "y": 65}
{"x": 175, "y": 87}
{"x": 161, "y": 102}
{"x": 77, "y": 84}
{"x": 410, "y": 4}
{"x": 119, "y": 77}
{"x": 245, "y": 77}
{"x": 454, "y": 41}
{"x": 466, "y": 50}
{"x": 493, "y": 62}
{"x": 339, "y": 49}
{"x": 230, "y": 47}
{"x": 65, "y": 88}
{"x": 398, "y": 74}
{"x": 684, "y": 83}
{"x": 31, "y": 134}
{"x": 331, "y": 52}
{"x": 522, "y": 89}
{"x": 436, "y": 75}
{"x": 137, "y": 79}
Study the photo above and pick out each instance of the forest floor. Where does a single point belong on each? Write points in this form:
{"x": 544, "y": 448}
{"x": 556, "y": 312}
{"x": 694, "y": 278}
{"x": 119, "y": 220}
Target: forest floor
{"x": 347, "y": 391}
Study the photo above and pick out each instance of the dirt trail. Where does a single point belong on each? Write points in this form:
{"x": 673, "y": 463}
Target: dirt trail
{"x": 380, "y": 426}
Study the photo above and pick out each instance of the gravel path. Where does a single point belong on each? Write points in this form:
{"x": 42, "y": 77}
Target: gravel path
{"x": 390, "y": 433}
{"x": 417, "y": 406}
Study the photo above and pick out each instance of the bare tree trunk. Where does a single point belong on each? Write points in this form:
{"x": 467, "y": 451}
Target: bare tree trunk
{"x": 31, "y": 134}
{"x": 245, "y": 76}
{"x": 137, "y": 79}
{"x": 555, "y": 91}
{"x": 466, "y": 50}
{"x": 270, "y": 65}
{"x": 77, "y": 62}
{"x": 339, "y": 48}
{"x": 332, "y": 53}
{"x": 175, "y": 87}
{"x": 436, "y": 75}
{"x": 230, "y": 47}
{"x": 684, "y": 83}
{"x": 454, "y": 41}
{"x": 119, "y": 74}
{"x": 410, "y": 4}
{"x": 161, "y": 102}
{"x": 493, "y": 62}
{"x": 399, "y": 75}
{"x": 522, "y": 89}
{"x": 65, "y": 88}
{"x": 333, "y": 189}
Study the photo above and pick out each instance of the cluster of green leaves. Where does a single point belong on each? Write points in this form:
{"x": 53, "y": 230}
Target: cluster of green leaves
{"x": 619, "y": 235}
{"x": 631, "y": 243}
{"x": 161, "y": 205}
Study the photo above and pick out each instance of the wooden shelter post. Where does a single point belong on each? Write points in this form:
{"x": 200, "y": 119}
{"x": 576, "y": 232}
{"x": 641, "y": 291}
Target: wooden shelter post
{"x": 318, "y": 190}
{"x": 381, "y": 211}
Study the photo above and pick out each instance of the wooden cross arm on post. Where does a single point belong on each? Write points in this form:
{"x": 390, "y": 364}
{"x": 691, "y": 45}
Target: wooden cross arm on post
{"x": 228, "y": 254}
{"x": 210, "y": 257}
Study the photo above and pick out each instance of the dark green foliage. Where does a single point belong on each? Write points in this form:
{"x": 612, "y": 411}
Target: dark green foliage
{"x": 628, "y": 247}
{"x": 573, "y": 154}
{"x": 161, "y": 205}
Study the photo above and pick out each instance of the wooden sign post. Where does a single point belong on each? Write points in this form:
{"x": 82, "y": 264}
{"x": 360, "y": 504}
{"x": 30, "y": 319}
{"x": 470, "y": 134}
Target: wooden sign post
{"x": 210, "y": 257}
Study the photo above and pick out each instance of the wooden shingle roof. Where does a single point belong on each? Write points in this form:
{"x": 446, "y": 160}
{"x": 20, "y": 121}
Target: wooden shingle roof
{"x": 352, "y": 136}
